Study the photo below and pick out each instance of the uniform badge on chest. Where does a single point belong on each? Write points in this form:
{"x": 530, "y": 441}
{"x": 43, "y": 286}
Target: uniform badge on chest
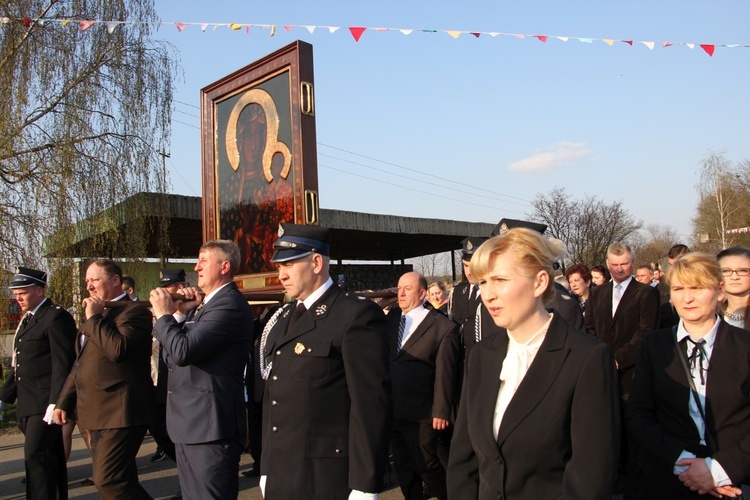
{"x": 299, "y": 348}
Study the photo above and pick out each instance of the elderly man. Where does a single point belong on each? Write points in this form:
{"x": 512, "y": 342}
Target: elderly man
{"x": 327, "y": 405}
{"x": 207, "y": 346}
{"x": 424, "y": 373}
{"x": 109, "y": 386}
{"x": 43, "y": 354}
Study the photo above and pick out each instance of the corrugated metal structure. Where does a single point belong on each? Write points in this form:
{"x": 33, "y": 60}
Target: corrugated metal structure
{"x": 354, "y": 235}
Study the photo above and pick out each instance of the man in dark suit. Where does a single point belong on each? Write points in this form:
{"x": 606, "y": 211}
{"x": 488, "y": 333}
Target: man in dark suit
{"x": 206, "y": 355}
{"x": 424, "y": 360}
{"x": 110, "y": 384}
{"x": 43, "y": 354}
{"x": 327, "y": 406}
{"x": 620, "y": 313}
{"x": 464, "y": 297}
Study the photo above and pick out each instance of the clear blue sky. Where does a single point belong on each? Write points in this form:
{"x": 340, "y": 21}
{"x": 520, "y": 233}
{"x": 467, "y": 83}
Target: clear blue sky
{"x": 507, "y": 118}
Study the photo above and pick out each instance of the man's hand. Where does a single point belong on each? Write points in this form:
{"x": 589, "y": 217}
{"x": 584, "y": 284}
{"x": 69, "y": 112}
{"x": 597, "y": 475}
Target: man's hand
{"x": 727, "y": 491}
{"x": 192, "y": 299}
{"x": 439, "y": 424}
{"x": 60, "y": 416}
{"x": 93, "y": 306}
{"x": 697, "y": 477}
{"x": 161, "y": 302}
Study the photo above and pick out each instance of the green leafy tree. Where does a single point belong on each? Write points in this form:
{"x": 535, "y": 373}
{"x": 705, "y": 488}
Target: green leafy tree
{"x": 83, "y": 118}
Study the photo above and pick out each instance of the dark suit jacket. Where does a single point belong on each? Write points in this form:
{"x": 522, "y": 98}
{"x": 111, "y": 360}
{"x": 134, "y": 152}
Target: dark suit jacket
{"x": 460, "y": 306}
{"x": 636, "y": 315}
{"x": 658, "y": 406}
{"x": 424, "y": 373}
{"x": 206, "y": 357}
{"x": 110, "y": 385}
{"x": 327, "y": 407}
{"x": 45, "y": 349}
{"x": 559, "y": 436}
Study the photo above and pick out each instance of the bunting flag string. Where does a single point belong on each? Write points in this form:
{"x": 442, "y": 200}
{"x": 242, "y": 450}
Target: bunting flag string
{"x": 357, "y": 31}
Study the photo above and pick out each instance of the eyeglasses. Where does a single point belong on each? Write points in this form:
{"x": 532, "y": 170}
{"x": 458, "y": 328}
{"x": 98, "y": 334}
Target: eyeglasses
{"x": 743, "y": 271}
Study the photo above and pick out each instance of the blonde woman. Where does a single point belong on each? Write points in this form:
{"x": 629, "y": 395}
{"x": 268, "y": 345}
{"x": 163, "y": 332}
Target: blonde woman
{"x": 690, "y": 401}
{"x": 539, "y": 414}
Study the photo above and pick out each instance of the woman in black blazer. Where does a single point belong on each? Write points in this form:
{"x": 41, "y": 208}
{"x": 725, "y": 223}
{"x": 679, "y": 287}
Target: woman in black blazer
{"x": 539, "y": 414}
{"x": 692, "y": 451}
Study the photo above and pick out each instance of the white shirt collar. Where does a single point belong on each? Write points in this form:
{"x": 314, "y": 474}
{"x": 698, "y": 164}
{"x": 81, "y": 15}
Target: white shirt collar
{"x": 31, "y": 313}
{"x": 211, "y": 295}
{"x": 709, "y": 337}
{"x": 318, "y": 293}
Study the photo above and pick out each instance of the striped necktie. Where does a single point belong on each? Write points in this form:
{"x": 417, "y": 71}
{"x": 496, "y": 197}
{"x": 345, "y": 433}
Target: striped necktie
{"x": 401, "y": 329}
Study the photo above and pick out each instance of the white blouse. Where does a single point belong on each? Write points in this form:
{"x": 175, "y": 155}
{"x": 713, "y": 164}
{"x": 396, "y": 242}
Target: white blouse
{"x": 515, "y": 365}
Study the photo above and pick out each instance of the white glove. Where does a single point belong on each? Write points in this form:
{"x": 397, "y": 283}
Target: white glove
{"x": 360, "y": 495}
{"x": 48, "y": 415}
{"x": 262, "y": 484}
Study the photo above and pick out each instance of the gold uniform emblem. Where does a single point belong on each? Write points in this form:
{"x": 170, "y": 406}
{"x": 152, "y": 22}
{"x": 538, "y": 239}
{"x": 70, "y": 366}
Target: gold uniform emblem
{"x": 299, "y": 348}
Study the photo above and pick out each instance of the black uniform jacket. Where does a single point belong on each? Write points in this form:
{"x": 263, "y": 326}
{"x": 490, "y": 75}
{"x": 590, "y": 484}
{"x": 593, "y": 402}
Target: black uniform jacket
{"x": 45, "y": 350}
{"x": 327, "y": 405}
{"x": 658, "y": 415}
{"x": 559, "y": 436}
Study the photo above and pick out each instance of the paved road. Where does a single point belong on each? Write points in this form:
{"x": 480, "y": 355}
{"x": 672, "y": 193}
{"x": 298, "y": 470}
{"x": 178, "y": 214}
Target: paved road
{"x": 159, "y": 479}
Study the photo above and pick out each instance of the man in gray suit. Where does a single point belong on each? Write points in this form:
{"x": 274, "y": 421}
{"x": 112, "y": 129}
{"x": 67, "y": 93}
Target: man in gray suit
{"x": 206, "y": 355}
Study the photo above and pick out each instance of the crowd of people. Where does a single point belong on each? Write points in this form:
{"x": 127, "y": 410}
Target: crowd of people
{"x": 523, "y": 381}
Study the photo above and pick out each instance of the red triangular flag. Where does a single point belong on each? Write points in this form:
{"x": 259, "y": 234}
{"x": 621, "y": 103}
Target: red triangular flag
{"x": 180, "y": 26}
{"x": 357, "y": 33}
{"x": 84, "y": 25}
{"x": 541, "y": 38}
{"x": 288, "y": 28}
{"x": 708, "y": 48}
{"x": 26, "y": 22}
{"x": 629, "y": 42}
{"x": 666, "y": 44}
{"x": 476, "y": 34}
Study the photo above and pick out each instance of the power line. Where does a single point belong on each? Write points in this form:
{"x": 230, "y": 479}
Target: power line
{"x": 187, "y": 124}
{"x": 423, "y": 181}
{"x": 186, "y": 104}
{"x": 412, "y": 190}
{"x": 425, "y": 173}
{"x": 181, "y": 177}
{"x": 186, "y": 113}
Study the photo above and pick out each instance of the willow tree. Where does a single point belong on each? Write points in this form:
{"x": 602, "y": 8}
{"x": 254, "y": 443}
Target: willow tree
{"x": 85, "y": 112}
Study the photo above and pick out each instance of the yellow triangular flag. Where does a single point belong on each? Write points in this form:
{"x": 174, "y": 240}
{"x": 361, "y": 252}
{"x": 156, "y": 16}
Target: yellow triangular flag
{"x": 65, "y": 22}
{"x": 609, "y": 41}
{"x": 235, "y": 27}
{"x": 454, "y": 34}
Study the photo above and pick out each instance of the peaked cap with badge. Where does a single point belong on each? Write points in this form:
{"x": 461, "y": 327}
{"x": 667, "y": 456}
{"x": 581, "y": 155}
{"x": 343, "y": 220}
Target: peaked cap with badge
{"x": 296, "y": 241}
{"x": 26, "y": 276}
{"x": 470, "y": 245}
{"x": 170, "y": 276}
{"x": 506, "y": 225}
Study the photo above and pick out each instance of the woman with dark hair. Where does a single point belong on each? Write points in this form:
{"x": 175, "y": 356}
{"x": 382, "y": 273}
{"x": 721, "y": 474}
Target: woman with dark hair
{"x": 579, "y": 278}
{"x": 735, "y": 268}
{"x": 539, "y": 415}
{"x": 689, "y": 406}
{"x": 599, "y": 275}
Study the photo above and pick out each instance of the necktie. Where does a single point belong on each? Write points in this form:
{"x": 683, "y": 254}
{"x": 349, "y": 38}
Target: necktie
{"x": 697, "y": 358}
{"x": 297, "y": 314}
{"x": 401, "y": 329}
{"x": 617, "y": 296}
